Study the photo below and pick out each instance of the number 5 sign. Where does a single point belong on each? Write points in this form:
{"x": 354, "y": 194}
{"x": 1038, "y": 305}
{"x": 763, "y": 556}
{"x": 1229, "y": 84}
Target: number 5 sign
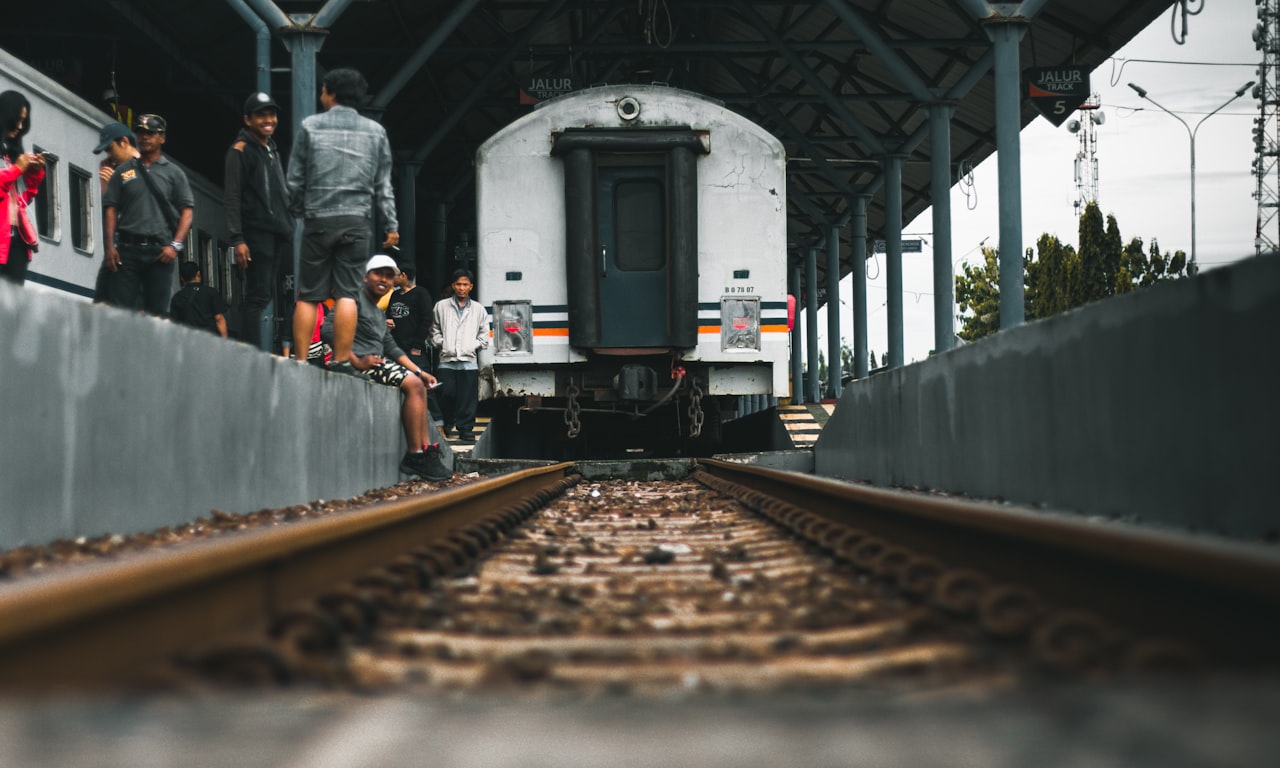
{"x": 1056, "y": 92}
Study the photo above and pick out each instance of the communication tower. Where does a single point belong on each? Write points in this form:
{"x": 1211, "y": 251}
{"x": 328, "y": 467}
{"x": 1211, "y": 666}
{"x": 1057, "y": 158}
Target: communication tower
{"x": 1266, "y": 131}
{"x": 1087, "y": 157}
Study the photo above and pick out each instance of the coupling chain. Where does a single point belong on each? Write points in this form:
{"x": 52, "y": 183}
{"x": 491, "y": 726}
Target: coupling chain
{"x": 572, "y": 411}
{"x": 695, "y": 410}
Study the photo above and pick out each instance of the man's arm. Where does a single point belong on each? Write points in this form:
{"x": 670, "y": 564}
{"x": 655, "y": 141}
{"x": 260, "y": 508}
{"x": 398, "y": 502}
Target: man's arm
{"x": 221, "y": 321}
{"x": 296, "y": 178}
{"x": 232, "y": 199}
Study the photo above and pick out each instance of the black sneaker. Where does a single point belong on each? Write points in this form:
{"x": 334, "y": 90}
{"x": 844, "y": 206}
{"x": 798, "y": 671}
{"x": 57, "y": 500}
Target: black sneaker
{"x": 344, "y": 367}
{"x": 466, "y": 437}
{"x": 433, "y": 464}
{"x": 411, "y": 464}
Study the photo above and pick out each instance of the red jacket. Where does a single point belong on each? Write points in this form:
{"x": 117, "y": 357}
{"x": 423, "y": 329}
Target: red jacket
{"x": 9, "y": 174}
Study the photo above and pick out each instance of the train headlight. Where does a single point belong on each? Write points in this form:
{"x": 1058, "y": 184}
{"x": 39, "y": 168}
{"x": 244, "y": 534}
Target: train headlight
{"x": 739, "y": 324}
{"x": 513, "y": 334}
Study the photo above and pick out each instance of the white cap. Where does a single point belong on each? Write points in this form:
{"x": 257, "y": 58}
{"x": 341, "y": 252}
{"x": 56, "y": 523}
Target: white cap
{"x": 381, "y": 261}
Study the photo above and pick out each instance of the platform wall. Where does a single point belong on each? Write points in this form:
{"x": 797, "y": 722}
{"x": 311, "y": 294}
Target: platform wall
{"x": 1160, "y": 406}
{"x": 111, "y": 421}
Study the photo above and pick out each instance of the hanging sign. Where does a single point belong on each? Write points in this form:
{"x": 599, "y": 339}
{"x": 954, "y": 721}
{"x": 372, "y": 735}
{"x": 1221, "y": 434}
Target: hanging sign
{"x": 537, "y": 89}
{"x": 1056, "y": 92}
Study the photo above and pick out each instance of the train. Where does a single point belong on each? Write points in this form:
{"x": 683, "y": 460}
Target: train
{"x": 631, "y": 246}
{"x": 67, "y": 211}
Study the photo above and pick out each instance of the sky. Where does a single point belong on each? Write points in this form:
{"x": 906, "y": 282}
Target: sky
{"x": 1144, "y": 169}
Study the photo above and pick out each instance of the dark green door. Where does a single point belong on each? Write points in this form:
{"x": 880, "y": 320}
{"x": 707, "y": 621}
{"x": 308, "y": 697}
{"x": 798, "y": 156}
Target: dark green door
{"x": 631, "y": 205}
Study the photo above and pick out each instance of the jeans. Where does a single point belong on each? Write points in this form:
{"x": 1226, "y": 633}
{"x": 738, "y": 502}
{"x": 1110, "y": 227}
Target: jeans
{"x": 142, "y": 282}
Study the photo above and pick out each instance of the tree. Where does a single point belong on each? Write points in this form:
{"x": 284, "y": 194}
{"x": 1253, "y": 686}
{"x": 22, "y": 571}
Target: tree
{"x": 1059, "y": 277}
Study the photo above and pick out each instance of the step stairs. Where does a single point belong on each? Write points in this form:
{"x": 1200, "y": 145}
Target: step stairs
{"x": 804, "y": 423}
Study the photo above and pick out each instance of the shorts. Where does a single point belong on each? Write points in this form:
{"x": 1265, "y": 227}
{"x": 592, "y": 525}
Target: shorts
{"x": 334, "y": 252}
{"x": 388, "y": 372}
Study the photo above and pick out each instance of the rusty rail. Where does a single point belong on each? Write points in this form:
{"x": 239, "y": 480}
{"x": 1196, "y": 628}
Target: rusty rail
{"x": 100, "y": 624}
{"x": 1078, "y": 588}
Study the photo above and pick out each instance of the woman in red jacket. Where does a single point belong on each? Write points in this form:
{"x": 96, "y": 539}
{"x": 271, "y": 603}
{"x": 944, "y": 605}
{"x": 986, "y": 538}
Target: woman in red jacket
{"x": 20, "y": 177}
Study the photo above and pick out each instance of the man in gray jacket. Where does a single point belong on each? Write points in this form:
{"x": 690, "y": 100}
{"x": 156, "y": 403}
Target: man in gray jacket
{"x": 339, "y": 173}
{"x": 460, "y": 330}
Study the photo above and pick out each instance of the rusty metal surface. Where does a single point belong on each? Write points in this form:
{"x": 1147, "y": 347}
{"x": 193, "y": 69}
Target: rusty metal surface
{"x": 1079, "y": 588}
{"x": 650, "y": 588}
{"x": 101, "y": 622}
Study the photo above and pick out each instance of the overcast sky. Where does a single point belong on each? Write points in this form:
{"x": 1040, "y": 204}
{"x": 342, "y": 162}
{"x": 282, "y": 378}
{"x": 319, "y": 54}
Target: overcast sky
{"x": 1144, "y": 168}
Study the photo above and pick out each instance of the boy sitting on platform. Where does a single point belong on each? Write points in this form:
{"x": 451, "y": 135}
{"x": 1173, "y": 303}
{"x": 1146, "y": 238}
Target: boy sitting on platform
{"x": 375, "y": 356}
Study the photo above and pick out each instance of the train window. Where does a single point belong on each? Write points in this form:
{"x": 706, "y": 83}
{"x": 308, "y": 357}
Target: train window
{"x": 640, "y": 224}
{"x": 80, "y": 194}
{"x": 47, "y": 200}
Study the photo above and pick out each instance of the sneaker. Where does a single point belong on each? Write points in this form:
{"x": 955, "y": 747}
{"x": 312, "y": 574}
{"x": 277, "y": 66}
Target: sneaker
{"x": 447, "y": 430}
{"x": 343, "y": 367}
{"x": 411, "y": 464}
{"x": 433, "y": 464}
{"x": 426, "y": 465}
{"x": 466, "y": 437}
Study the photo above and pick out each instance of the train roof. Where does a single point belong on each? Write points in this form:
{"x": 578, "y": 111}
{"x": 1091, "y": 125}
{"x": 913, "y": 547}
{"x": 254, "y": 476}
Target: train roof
{"x": 816, "y": 74}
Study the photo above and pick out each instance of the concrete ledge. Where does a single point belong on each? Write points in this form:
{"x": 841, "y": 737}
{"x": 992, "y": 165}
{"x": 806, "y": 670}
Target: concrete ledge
{"x": 117, "y": 422}
{"x": 1159, "y": 406}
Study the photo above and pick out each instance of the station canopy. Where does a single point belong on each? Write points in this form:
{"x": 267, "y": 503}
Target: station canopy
{"x": 827, "y": 77}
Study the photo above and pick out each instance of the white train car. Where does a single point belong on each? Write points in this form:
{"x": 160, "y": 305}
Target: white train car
{"x": 68, "y": 209}
{"x": 632, "y": 252}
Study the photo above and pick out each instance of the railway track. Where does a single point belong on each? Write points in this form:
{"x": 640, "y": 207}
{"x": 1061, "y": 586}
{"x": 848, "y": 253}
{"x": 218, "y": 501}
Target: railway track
{"x": 733, "y": 580}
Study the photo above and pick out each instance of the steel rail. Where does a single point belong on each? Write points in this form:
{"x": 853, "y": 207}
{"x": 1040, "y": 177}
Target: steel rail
{"x": 100, "y": 624}
{"x": 1220, "y": 597}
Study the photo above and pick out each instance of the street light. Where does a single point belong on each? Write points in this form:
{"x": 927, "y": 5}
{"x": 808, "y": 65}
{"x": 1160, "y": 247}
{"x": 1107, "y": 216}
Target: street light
{"x": 1192, "y": 268}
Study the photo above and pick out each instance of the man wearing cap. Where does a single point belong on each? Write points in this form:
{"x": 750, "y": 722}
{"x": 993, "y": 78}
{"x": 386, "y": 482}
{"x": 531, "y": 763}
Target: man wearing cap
{"x": 339, "y": 174}
{"x": 147, "y": 212}
{"x": 120, "y": 145}
{"x": 257, "y": 214}
{"x": 375, "y": 355}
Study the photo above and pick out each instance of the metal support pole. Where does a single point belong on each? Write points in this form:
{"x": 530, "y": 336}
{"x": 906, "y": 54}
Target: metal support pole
{"x": 858, "y": 277}
{"x": 797, "y": 353}
{"x": 440, "y": 260}
{"x": 262, "y": 43}
{"x": 834, "y": 341}
{"x": 407, "y": 210}
{"x": 893, "y": 255}
{"x": 812, "y": 390}
{"x": 944, "y": 324}
{"x": 1005, "y": 34}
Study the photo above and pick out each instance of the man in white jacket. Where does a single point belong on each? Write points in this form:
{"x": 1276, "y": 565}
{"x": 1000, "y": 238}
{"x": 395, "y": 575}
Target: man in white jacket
{"x": 460, "y": 330}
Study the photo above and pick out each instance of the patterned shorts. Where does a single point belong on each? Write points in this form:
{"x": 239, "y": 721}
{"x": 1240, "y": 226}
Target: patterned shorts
{"x": 388, "y": 372}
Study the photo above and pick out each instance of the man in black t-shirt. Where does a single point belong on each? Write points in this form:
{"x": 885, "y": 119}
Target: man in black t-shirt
{"x": 409, "y": 318}
{"x": 196, "y": 304}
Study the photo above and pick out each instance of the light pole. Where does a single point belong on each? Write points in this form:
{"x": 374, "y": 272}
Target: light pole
{"x": 1192, "y": 268}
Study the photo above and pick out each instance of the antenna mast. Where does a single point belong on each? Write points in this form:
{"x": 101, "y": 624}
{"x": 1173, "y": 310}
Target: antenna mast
{"x": 1087, "y": 156}
{"x": 1266, "y": 134}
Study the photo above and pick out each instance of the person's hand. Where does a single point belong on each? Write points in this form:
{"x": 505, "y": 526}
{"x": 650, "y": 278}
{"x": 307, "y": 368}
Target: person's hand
{"x": 427, "y": 378}
{"x": 112, "y": 258}
{"x": 167, "y": 255}
{"x": 393, "y": 239}
{"x": 105, "y": 172}
{"x": 365, "y": 362}
{"x": 391, "y": 323}
{"x": 242, "y": 255}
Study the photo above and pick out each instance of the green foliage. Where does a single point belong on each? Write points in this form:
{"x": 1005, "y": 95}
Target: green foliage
{"x": 1059, "y": 277}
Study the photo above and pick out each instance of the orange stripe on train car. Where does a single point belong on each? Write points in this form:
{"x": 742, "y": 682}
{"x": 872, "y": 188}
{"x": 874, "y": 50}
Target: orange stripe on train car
{"x": 550, "y": 331}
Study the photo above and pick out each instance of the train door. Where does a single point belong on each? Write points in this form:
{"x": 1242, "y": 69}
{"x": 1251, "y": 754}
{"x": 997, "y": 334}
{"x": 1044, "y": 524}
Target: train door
{"x": 631, "y": 204}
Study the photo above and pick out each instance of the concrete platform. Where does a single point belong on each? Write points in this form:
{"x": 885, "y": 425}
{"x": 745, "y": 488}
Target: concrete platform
{"x": 1222, "y": 725}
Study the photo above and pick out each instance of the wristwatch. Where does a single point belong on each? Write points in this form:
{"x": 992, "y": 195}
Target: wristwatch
{"x": 178, "y": 245}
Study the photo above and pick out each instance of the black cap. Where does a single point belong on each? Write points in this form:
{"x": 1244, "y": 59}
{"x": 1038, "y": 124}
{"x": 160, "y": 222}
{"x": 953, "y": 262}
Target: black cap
{"x": 150, "y": 123}
{"x": 258, "y": 102}
{"x": 110, "y": 133}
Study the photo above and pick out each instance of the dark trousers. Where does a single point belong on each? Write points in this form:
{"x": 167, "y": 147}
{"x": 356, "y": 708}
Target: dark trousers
{"x": 15, "y": 271}
{"x": 270, "y": 258}
{"x": 458, "y": 393}
{"x": 142, "y": 282}
{"x": 433, "y": 398}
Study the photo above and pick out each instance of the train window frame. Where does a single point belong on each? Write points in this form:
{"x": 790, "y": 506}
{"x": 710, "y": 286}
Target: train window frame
{"x": 48, "y": 219}
{"x": 81, "y": 209}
